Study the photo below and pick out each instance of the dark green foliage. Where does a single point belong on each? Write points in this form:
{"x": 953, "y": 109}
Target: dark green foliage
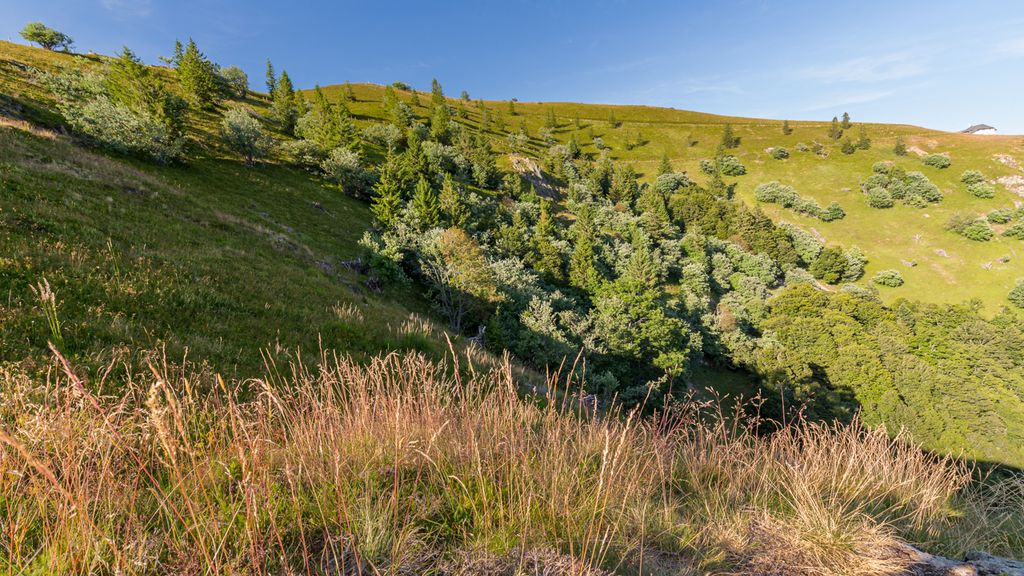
{"x": 286, "y": 107}
{"x": 846, "y": 124}
{"x": 977, "y": 229}
{"x": 787, "y": 197}
{"x": 1015, "y": 231}
{"x": 729, "y": 138}
{"x": 235, "y": 81}
{"x": 426, "y": 204}
{"x": 879, "y": 197}
{"x": 271, "y": 80}
{"x": 847, "y": 146}
{"x": 197, "y": 77}
{"x": 1000, "y": 216}
{"x": 786, "y": 130}
{"x": 889, "y": 183}
{"x": 387, "y": 193}
{"x": 730, "y": 165}
{"x": 243, "y": 135}
{"x": 665, "y": 167}
{"x": 835, "y": 132}
{"x": 46, "y": 37}
{"x": 900, "y": 148}
{"x": 863, "y": 142}
{"x": 451, "y": 203}
{"x": 830, "y": 266}
{"x": 779, "y": 153}
{"x": 327, "y": 124}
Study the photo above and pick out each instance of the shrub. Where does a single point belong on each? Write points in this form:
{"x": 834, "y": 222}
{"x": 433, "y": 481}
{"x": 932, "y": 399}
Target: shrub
{"x": 882, "y": 167}
{"x": 829, "y": 266}
{"x": 707, "y": 166}
{"x": 879, "y": 198}
{"x": 731, "y": 166}
{"x": 801, "y": 147}
{"x": 785, "y": 196}
{"x": 972, "y": 177}
{"x": 939, "y": 161}
{"x": 833, "y": 212}
{"x": 46, "y": 37}
{"x": 345, "y": 167}
{"x": 847, "y": 146}
{"x": 890, "y": 278}
{"x": 1000, "y": 216}
{"x": 900, "y": 148}
{"x": 1016, "y": 295}
{"x": 385, "y": 135}
{"x": 244, "y": 135}
{"x": 981, "y": 190}
{"x": 779, "y": 153}
{"x": 1015, "y": 231}
{"x": 121, "y": 129}
{"x": 304, "y": 153}
{"x": 668, "y": 183}
{"x": 978, "y": 230}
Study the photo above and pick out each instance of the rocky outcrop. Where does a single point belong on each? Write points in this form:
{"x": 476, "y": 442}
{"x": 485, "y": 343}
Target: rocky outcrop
{"x": 973, "y": 564}
{"x": 529, "y": 170}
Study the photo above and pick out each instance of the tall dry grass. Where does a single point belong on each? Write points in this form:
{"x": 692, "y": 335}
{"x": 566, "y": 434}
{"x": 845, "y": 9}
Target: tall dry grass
{"x": 405, "y": 466}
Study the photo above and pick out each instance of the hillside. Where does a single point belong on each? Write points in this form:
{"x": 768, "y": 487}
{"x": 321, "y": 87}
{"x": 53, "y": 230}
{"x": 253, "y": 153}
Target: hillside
{"x": 312, "y": 330}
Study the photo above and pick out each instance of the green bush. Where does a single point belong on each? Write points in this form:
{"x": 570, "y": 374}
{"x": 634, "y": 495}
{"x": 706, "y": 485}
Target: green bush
{"x": 981, "y": 190}
{"x": 731, "y": 166}
{"x": 978, "y": 230}
{"x": 1000, "y": 216}
{"x": 346, "y": 168}
{"x": 785, "y": 196}
{"x": 1015, "y": 231}
{"x": 829, "y": 266}
{"x": 879, "y": 198}
{"x": 972, "y": 177}
{"x": 890, "y": 278}
{"x": 243, "y": 135}
{"x": 847, "y": 146}
{"x": 1016, "y": 295}
{"x": 780, "y": 153}
{"x": 121, "y": 129}
{"x": 882, "y": 167}
{"x": 939, "y": 161}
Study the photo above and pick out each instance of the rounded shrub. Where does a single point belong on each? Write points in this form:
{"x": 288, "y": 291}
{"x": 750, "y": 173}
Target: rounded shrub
{"x": 1000, "y": 216}
{"x": 879, "y": 198}
{"x": 939, "y": 161}
{"x": 978, "y": 230}
{"x": 981, "y": 190}
{"x": 780, "y": 153}
{"x": 890, "y": 278}
{"x": 972, "y": 177}
{"x": 1016, "y": 295}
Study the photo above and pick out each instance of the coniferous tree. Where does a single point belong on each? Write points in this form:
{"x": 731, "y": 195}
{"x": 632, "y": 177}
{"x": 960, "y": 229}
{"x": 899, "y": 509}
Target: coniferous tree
{"x": 729, "y": 138}
{"x": 512, "y": 107}
{"x": 666, "y": 165}
{"x": 387, "y": 194}
{"x": 583, "y": 273}
{"x": 612, "y": 120}
{"x": 286, "y": 108}
{"x": 451, "y": 204}
{"x": 863, "y": 142}
{"x": 547, "y": 259}
{"x": 900, "y": 149}
{"x": 786, "y": 130}
{"x": 350, "y": 94}
{"x": 846, "y": 121}
{"x": 271, "y": 78}
{"x": 439, "y": 121}
{"x": 426, "y": 204}
{"x": 835, "y": 131}
{"x": 576, "y": 121}
{"x": 437, "y": 98}
{"x": 197, "y": 77}
{"x": 551, "y": 121}
{"x": 465, "y": 96}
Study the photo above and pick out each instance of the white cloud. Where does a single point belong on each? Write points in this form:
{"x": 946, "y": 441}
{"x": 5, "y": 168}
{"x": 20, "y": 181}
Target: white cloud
{"x": 866, "y": 69}
{"x": 138, "y": 8}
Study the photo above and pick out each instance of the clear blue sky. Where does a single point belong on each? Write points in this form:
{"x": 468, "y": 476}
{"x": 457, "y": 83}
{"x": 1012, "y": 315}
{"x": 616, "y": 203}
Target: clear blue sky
{"x": 942, "y": 64}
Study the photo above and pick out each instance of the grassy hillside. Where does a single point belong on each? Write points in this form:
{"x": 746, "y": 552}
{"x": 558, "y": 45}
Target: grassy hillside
{"x": 211, "y": 260}
{"x": 891, "y": 238}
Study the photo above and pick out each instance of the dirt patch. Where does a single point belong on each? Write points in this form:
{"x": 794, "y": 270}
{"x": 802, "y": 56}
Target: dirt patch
{"x": 916, "y": 150}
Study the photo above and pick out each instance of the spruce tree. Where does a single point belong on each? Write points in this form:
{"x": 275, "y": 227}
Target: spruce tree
{"x": 612, "y": 120}
{"x": 387, "y": 194}
{"x": 552, "y": 120}
{"x": 197, "y": 77}
{"x": 666, "y": 166}
{"x": 582, "y": 272}
{"x": 835, "y": 132}
{"x": 511, "y": 107}
{"x": 285, "y": 107}
{"x": 451, "y": 204}
{"x": 547, "y": 259}
{"x": 786, "y": 130}
{"x": 729, "y": 139}
{"x": 846, "y": 121}
{"x": 900, "y": 149}
{"x": 436, "y": 95}
{"x": 271, "y": 78}
{"x": 863, "y": 142}
{"x": 426, "y": 204}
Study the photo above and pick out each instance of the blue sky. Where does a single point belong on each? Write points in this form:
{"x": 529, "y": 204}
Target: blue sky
{"x": 941, "y": 64}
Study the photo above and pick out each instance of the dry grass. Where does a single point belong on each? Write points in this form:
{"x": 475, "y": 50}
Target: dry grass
{"x": 404, "y": 466}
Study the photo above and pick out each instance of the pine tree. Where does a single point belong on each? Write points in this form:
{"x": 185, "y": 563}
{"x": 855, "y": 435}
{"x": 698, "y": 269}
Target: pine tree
{"x": 271, "y": 78}
{"x": 612, "y": 121}
{"x": 465, "y": 96}
{"x": 512, "y": 107}
{"x": 846, "y": 121}
{"x": 666, "y": 166}
{"x": 387, "y": 194}
{"x": 437, "y": 98}
{"x": 547, "y": 259}
{"x": 197, "y": 77}
{"x": 863, "y": 142}
{"x": 426, "y": 204}
{"x": 729, "y": 138}
{"x": 835, "y": 132}
{"x": 786, "y": 130}
{"x": 451, "y": 204}
{"x": 582, "y": 272}
{"x": 552, "y": 120}
{"x": 439, "y": 122}
{"x": 285, "y": 105}
{"x": 900, "y": 149}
